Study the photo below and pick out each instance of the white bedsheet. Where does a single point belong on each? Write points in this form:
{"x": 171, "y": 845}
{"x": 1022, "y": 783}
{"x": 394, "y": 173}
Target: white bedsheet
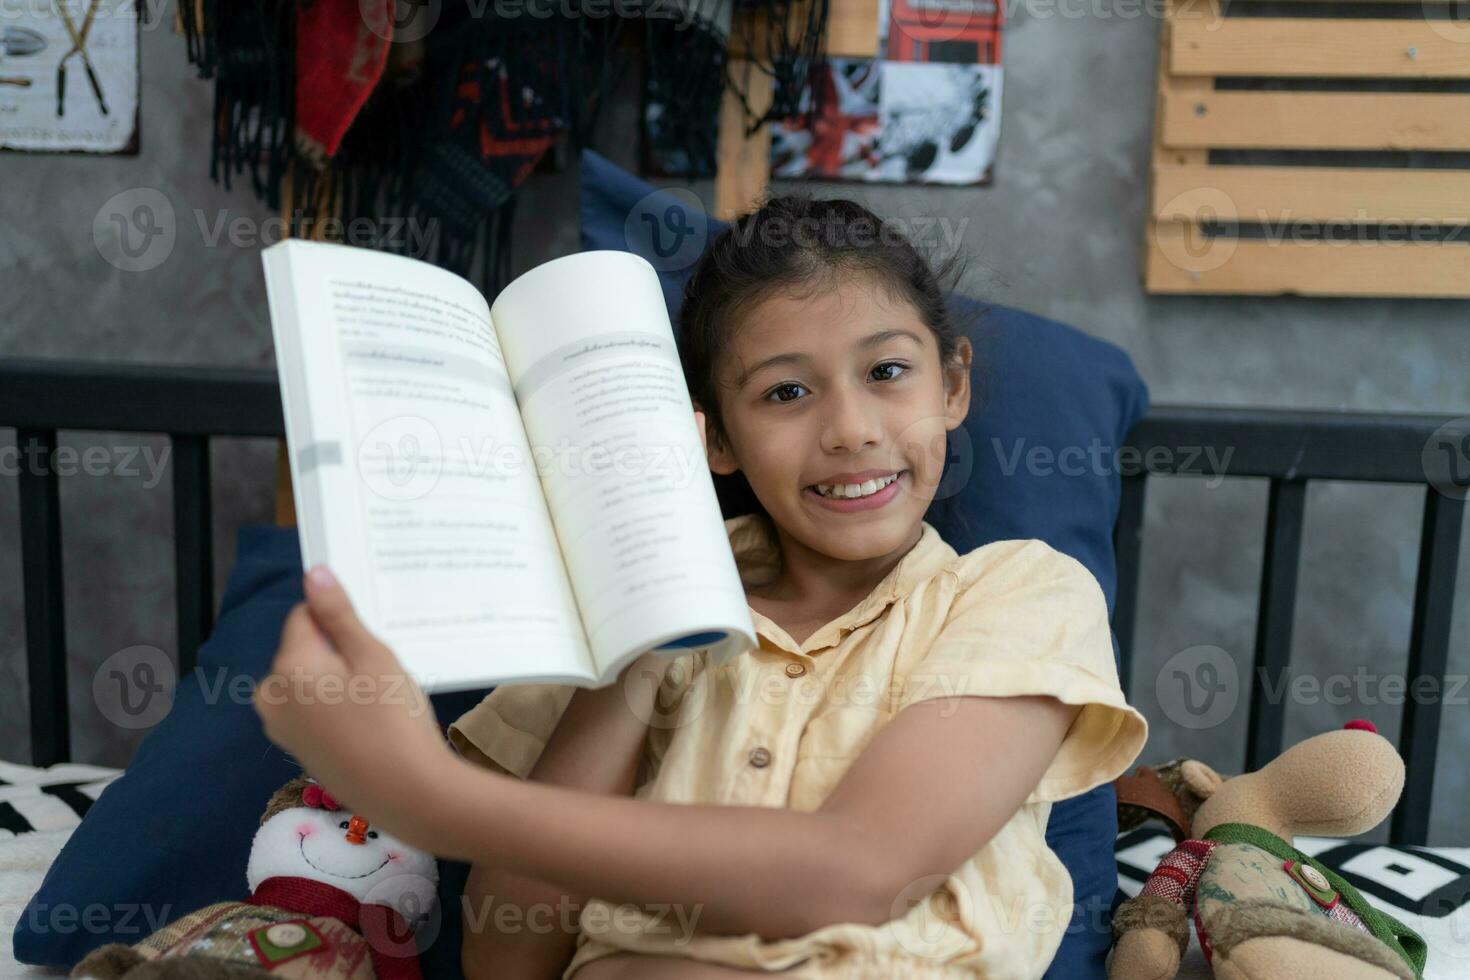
{"x": 23, "y": 863}
{"x": 25, "y": 856}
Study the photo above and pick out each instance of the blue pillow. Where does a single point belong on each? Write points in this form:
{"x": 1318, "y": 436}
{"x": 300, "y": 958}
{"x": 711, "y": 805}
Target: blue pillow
{"x": 172, "y": 834}
{"x": 1033, "y": 460}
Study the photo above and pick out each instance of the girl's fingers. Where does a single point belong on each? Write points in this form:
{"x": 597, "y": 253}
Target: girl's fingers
{"x": 303, "y": 654}
{"x": 334, "y": 614}
{"x": 304, "y": 650}
{"x": 300, "y": 631}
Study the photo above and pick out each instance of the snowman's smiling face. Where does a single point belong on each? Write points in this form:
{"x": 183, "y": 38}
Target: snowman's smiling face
{"x": 338, "y": 855}
{"x": 324, "y": 845}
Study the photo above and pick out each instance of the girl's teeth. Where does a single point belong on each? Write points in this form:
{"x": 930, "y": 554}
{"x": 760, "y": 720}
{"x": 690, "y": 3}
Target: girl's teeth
{"x": 850, "y": 490}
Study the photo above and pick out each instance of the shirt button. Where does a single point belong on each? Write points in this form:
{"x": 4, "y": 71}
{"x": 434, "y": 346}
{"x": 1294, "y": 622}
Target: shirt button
{"x": 795, "y": 670}
{"x": 760, "y": 757}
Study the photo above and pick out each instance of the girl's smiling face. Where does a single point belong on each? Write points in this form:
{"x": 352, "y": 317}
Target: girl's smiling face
{"x": 840, "y": 386}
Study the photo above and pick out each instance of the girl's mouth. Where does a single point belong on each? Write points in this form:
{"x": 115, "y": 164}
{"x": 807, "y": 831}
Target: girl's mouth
{"x": 879, "y": 493}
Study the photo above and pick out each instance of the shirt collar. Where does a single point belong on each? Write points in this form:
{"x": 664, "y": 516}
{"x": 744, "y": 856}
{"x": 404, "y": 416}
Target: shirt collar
{"x": 757, "y": 555}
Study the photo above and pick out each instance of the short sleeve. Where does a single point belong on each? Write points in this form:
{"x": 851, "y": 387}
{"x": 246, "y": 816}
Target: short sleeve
{"x": 669, "y": 713}
{"x": 1029, "y": 620}
{"x": 510, "y": 726}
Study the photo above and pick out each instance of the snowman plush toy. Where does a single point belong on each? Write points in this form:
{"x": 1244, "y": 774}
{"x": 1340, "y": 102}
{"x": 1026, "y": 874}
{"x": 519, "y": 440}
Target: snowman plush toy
{"x": 331, "y": 897}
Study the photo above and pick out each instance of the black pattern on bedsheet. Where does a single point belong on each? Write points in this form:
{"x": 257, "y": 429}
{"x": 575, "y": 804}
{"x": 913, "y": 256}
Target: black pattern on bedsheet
{"x": 55, "y": 798}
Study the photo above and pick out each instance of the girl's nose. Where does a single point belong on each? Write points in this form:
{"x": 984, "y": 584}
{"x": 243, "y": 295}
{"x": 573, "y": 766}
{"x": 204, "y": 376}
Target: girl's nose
{"x": 850, "y": 423}
{"x": 357, "y": 830}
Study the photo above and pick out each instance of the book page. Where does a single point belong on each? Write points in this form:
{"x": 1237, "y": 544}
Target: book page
{"x": 412, "y": 470}
{"x": 591, "y": 353}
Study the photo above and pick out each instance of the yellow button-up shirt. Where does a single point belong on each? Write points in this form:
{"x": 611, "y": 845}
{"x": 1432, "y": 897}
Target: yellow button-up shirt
{"x": 780, "y": 724}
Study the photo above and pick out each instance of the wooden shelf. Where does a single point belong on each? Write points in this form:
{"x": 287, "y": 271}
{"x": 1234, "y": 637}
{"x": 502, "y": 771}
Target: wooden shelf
{"x": 1352, "y": 230}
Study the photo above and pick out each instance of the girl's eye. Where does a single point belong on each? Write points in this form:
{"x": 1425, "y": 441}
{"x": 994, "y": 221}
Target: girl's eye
{"x": 773, "y": 394}
{"x": 770, "y": 395}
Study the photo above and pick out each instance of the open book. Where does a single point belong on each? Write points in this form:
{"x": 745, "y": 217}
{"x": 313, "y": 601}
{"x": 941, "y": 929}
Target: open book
{"x": 509, "y": 494}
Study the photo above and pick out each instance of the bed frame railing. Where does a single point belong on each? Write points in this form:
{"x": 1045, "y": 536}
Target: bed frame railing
{"x": 1290, "y": 448}
{"x": 190, "y": 405}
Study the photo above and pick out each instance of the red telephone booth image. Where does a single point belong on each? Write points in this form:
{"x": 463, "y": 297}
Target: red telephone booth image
{"x": 961, "y": 32}
{"x": 925, "y": 111}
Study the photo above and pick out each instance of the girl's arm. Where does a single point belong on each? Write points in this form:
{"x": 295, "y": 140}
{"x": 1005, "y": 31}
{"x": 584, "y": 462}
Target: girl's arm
{"x": 931, "y": 788}
{"x": 596, "y": 746}
{"x": 890, "y": 824}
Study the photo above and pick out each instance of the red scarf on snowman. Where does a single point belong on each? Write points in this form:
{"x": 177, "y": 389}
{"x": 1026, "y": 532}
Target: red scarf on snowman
{"x": 389, "y": 938}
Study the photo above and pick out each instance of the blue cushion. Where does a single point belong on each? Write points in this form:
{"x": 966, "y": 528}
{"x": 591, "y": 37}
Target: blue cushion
{"x": 1033, "y": 460}
{"x": 172, "y": 834}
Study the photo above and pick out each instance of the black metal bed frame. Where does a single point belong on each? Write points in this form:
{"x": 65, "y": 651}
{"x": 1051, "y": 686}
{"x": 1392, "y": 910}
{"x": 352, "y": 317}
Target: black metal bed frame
{"x": 1289, "y": 448}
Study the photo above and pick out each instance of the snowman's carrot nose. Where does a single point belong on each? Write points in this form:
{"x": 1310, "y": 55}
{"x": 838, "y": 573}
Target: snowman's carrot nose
{"x": 357, "y": 830}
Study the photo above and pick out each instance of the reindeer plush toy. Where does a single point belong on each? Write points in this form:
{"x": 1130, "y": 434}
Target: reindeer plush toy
{"x": 1263, "y": 909}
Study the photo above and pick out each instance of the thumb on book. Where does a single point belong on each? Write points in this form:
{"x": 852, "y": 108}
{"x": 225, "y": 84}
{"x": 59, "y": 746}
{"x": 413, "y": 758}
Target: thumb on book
{"x": 332, "y": 610}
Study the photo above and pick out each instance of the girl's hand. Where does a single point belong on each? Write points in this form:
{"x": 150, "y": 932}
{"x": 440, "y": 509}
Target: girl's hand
{"x": 341, "y": 704}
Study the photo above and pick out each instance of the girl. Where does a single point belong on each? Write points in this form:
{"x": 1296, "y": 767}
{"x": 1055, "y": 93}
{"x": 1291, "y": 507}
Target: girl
{"x": 863, "y": 795}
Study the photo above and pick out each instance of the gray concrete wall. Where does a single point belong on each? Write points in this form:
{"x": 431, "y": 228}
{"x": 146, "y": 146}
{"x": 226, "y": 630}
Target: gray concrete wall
{"x": 1059, "y": 233}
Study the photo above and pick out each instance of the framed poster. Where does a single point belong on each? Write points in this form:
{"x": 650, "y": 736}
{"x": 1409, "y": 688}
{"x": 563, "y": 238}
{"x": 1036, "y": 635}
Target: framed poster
{"x": 69, "y": 76}
{"x": 926, "y": 111}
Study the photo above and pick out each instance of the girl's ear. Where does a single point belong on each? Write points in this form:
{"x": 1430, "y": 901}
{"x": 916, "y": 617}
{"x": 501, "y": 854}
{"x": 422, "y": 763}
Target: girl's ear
{"x": 721, "y": 460}
{"x": 957, "y": 384}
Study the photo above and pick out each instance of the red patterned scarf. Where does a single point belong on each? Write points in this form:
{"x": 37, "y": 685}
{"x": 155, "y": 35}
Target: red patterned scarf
{"x": 389, "y": 938}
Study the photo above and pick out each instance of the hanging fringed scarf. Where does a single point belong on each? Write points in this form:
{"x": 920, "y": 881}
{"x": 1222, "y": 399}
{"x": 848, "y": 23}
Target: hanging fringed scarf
{"x": 189, "y": 20}
{"x": 684, "y": 56}
{"x": 508, "y": 103}
{"x": 347, "y": 121}
{"x": 687, "y": 73}
{"x": 246, "y": 48}
{"x": 785, "y": 39}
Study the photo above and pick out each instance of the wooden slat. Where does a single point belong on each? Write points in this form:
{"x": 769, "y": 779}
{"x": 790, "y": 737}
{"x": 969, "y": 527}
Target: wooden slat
{"x": 285, "y": 499}
{"x": 1315, "y": 47}
{"x": 1316, "y": 120}
{"x": 1174, "y": 264}
{"x": 1362, "y": 194}
{"x": 1178, "y": 89}
{"x": 852, "y": 30}
{"x": 743, "y": 163}
{"x": 1170, "y": 87}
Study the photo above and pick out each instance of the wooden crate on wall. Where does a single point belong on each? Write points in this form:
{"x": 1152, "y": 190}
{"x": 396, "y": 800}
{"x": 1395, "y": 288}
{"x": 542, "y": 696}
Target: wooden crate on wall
{"x": 1367, "y": 225}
